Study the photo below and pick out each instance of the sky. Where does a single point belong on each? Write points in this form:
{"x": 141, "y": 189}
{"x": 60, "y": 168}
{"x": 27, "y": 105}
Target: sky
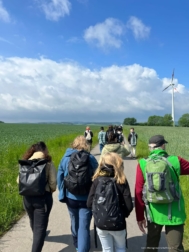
{"x": 93, "y": 60}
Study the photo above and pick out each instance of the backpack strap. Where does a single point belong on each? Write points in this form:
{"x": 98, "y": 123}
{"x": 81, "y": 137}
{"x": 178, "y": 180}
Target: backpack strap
{"x": 95, "y": 236}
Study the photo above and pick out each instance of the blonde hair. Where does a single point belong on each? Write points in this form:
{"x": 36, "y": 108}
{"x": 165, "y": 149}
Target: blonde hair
{"x": 80, "y": 143}
{"x": 114, "y": 160}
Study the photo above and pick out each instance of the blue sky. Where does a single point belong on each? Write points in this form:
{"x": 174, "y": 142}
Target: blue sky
{"x": 93, "y": 60}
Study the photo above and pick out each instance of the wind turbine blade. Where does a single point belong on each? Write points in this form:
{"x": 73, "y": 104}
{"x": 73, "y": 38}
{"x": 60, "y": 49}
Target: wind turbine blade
{"x": 173, "y": 75}
{"x": 166, "y": 87}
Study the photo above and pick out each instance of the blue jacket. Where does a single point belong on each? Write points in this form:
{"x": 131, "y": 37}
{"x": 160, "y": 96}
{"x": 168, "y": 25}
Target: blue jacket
{"x": 63, "y": 172}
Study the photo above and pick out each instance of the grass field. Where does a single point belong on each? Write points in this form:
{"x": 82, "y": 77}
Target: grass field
{"x": 15, "y": 139}
{"x": 178, "y": 144}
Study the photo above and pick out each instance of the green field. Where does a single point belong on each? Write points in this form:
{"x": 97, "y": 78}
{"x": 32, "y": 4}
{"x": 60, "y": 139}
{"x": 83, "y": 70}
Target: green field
{"x": 15, "y": 139}
{"x": 178, "y": 144}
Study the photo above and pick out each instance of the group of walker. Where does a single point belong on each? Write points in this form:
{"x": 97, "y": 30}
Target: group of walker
{"x": 85, "y": 198}
{"x": 113, "y": 141}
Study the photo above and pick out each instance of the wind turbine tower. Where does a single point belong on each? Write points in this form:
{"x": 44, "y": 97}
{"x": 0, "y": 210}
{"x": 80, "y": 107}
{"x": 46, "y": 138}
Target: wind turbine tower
{"x": 172, "y": 85}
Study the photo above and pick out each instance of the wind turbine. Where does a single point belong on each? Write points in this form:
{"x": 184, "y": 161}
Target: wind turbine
{"x": 172, "y": 85}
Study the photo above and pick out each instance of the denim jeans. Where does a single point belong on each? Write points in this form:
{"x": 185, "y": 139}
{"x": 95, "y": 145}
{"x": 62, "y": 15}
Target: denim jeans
{"x": 80, "y": 226}
{"x": 112, "y": 240}
{"x": 101, "y": 147}
{"x": 38, "y": 209}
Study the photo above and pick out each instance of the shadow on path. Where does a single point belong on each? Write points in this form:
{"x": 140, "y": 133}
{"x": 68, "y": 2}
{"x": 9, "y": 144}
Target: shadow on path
{"x": 67, "y": 239}
{"x": 138, "y": 243}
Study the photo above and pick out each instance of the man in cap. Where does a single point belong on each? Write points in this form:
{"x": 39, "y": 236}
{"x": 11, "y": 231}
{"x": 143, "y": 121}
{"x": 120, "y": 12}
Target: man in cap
{"x": 157, "y": 214}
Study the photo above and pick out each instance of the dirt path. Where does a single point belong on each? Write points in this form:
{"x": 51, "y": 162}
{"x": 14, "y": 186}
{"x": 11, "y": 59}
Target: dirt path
{"x": 59, "y": 239}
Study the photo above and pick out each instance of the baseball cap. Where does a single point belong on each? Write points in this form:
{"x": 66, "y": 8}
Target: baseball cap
{"x": 158, "y": 140}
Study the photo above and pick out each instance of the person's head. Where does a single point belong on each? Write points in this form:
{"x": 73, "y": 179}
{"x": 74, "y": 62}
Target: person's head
{"x": 132, "y": 130}
{"x": 80, "y": 143}
{"x": 110, "y": 127}
{"x": 114, "y": 161}
{"x": 101, "y": 128}
{"x": 37, "y": 147}
{"x": 157, "y": 142}
{"x": 87, "y": 128}
{"x": 119, "y": 128}
{"x": 112, "y": 137}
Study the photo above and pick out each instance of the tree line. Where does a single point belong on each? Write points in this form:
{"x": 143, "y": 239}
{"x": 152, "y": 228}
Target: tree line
{"x": 155, "y": 120}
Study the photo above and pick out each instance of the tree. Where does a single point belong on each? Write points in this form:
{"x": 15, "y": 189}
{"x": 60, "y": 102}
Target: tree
{"x": 155, "y": 120}
{"x": 167, "y": 120}
{"x": 184, "y": 120}
{"x": 129, "y": 121}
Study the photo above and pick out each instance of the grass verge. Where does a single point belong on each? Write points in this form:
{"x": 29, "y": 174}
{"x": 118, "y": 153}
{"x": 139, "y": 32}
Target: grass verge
{"x": 11, "y": 207}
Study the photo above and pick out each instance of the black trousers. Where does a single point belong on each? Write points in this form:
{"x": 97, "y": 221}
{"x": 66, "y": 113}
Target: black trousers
{"x": 38, "y": 209}
{"x": 174, "y": 237}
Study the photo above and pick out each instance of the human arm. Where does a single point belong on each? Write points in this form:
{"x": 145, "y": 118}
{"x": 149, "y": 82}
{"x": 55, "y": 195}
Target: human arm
{"x": 91, "y": 195}
{"x": 129, "y": 138}
{"x": 184, "y": 166}
{"x": 93, "y": 163}
{"x": 91, "y": 133}
{"x": 124, "y": 190}
{"x": 62, "y": 172}
{"x": 139, "y": 204}
{"x": 142, "y": 225}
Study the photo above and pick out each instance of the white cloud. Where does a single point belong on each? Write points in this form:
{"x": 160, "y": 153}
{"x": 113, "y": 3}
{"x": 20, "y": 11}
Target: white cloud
{"x": 105, "y": 34}
{"x": 4, "y": 15}
{"x": 6, "y": 41}
{"x": 46, "y": 90}
{"x": 73, "y": 40}
{"x": 55, "y": 9}
{"x": 140, "y": 30}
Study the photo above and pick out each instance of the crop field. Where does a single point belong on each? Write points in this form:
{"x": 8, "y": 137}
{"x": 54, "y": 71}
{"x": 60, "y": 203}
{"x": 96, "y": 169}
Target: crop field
{"x": 15, "y": 139}
{"x": 178, "y": 144}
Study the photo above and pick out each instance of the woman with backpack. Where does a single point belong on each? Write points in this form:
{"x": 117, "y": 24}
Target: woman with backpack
{"x": 74, "y": 178}
{"x": 39, "y": 207}
{"x": 112, "y": 145}
{"x": 111, "y": 202}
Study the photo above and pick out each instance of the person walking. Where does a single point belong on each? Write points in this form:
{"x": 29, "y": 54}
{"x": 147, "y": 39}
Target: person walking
{"x": 101, "y": 138}
{"x": 115, "y": 199}
{"x": 74, "y": 179}
{"x": 38, "y": 208}
{"x": 109, "y": 130}
{"x": 158, "y": 194}
{"x": 120, "y": 137}
{"x": 113, "y": 146}
{"x": 89, "y": 136}
{"x": 132, "y": 139}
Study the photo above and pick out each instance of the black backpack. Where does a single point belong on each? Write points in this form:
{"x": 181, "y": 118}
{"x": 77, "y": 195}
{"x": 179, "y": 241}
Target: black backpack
{"x": 79, "y": 178}
{"x": 32, "y": 177}
{"x": 106, "y": 206}
{"x": 120, "y": 138}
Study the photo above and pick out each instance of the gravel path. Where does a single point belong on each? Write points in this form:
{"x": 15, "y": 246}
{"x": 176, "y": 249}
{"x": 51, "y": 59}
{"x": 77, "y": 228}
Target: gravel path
{"x": 59, "y": 239}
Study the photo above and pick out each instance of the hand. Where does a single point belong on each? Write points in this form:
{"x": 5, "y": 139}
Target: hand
{"x": 142, "y": 225}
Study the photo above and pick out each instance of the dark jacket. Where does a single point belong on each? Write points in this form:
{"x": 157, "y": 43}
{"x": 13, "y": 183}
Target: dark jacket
{"x": 126, "y": 204}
